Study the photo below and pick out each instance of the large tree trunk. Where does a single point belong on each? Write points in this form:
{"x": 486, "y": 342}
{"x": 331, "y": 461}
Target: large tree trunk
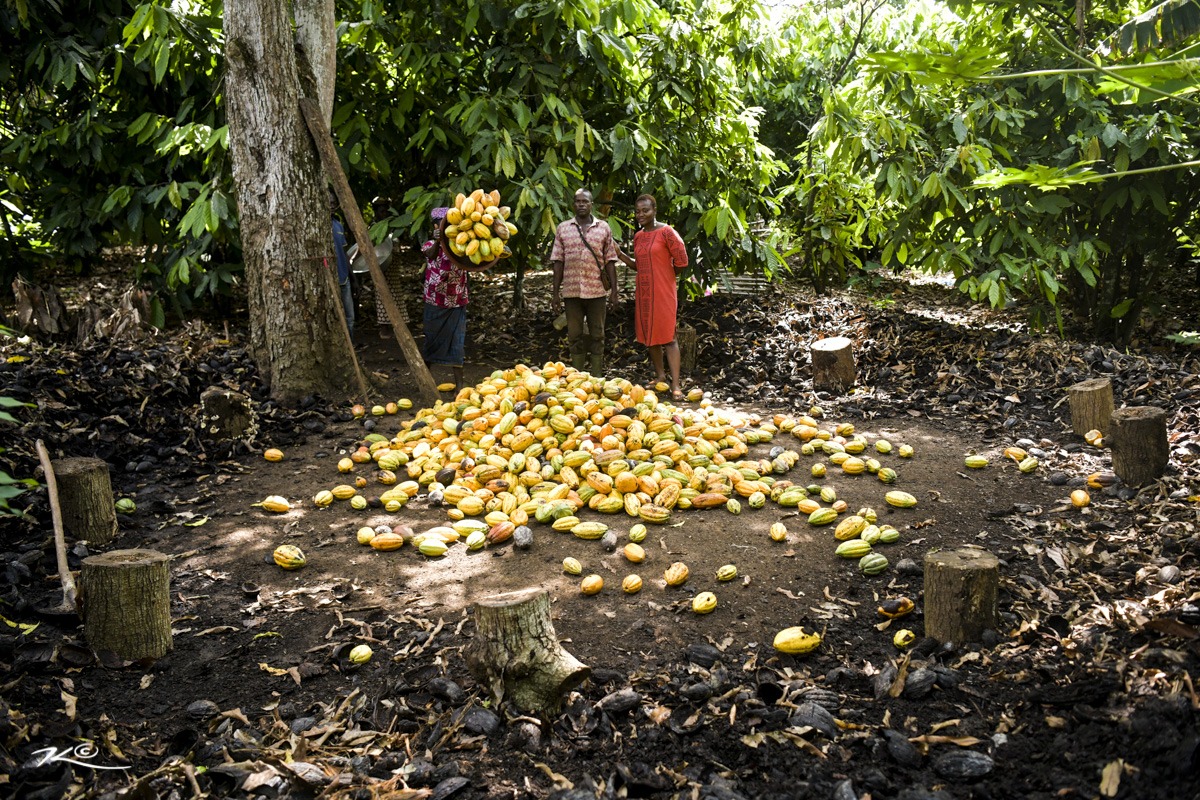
{"x": 316, "y": 33}
{"x": 296, "y": 333}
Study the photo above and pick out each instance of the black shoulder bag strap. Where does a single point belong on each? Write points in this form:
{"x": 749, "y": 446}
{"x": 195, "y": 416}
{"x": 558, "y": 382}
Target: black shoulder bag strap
{"x": 603, "y": 273}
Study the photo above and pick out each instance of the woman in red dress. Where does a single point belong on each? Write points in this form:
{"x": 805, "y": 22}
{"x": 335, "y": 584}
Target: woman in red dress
{"x": 659, "y": 255}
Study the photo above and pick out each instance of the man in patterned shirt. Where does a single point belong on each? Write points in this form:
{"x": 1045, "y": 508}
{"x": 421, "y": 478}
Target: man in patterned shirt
{"x": 583, "y": 257}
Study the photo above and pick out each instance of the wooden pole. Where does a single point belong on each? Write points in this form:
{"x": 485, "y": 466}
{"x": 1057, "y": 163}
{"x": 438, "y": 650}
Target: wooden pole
{"x": 126, "y": 599}
{"x": 1091, "y": 405}
{"x": 960, "y": 594}
{"x": 516, "y": 653}
{"x": 359, "y": 378}
{"x": 86, "y": 499}
{"x": 60, "y": 541}
{"x": 341, "y": 187}
{"x": 1138, "y": 438}
{"x": 685, "y": 336}
{"x": 833, "y": 363}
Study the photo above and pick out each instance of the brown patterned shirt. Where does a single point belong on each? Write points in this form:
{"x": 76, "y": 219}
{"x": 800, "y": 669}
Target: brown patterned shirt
{"x": 581, "y": 274}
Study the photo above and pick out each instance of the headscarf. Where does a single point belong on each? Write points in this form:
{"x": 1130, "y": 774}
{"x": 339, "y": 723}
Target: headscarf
{"x": 438, "y": 214}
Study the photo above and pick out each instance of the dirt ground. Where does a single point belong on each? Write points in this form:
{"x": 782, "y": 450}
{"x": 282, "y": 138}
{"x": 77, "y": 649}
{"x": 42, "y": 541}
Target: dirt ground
{"x": 257, "y": 699}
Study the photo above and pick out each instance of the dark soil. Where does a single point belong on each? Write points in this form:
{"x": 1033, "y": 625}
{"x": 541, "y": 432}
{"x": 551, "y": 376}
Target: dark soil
{"x": 1085, "y": 689}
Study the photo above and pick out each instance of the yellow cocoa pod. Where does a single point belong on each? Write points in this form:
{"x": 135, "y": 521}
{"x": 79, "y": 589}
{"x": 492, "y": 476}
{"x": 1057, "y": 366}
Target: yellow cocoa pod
{"x": 472, "y": 247}
{"x": 470, "y": 505}
{"x": 467, "y": 207}
{"x": 345, "y": 465}
{"x": 778, "y": 532}
{"x": 273, "y": 454}
{"x": 635, "y": 553}
{"x": 727, "y": 573}
{"x": 704, "y": 602}
{"x": 676, "y": 574}
{"x": 482, "y": 231}
{"x": 323, "y": 498}
{"x": 632, "y": 584}
{"x": 289, "y": 556}
{"x": 277, "y": 504}
{"x": 975, "y": 462}
{"x": 1080, "y": 498}
{"x": 637, "y": 533}
{"x": 454, "y": 216}
{"x": 571, "y": 566}
{"x": 387, "y": 541}
{"x": 358, "y": 502}
{"x": 364, "y": 535}
{"x": 458, "y": 200}
{"x": 900, "y": 499}
{"x": 343, "y": 491}
{"x": 796, "y": 641}
{"x": 849, "y": 528}
{"x": 1017, "y": 454}
{"x": 361, "y": 654}
{"x": 592, "y": 584}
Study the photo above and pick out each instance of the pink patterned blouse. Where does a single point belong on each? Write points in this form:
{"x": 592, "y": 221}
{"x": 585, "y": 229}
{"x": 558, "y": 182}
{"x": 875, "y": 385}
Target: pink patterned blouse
{"x": 445, "y": 281}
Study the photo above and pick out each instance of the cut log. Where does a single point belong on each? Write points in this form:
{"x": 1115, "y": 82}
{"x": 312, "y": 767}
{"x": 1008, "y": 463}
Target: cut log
{"x": 1138, "y": 438}
{"x": 1091, "y": 405}
{"x": 126, "y": 602}
{"x": 685, "y": 337}
{"x": 224, "y": 414}
{"x": 85, "y": 495}
{"x": 960, "y": 594}
{"x": 516, "y": 653}
{"x": 833, "y": 364}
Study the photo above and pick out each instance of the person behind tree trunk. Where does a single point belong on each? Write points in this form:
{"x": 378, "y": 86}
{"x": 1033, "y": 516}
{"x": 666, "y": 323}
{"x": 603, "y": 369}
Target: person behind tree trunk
{"x": 584, "y": 259}
{"x": 659, "y": 256}
{"x": 343, "y": 265}
{"x": 445, "y": 302}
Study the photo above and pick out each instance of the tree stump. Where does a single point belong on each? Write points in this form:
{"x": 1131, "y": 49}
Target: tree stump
{"x": 960, "y": 594}
{"x": 686, "y": 337}
{"x": 1138, "y": 439}
{"x": 224, "y": 414}
{"x": 833, "y": 363}
{"x": 86, "y": 498}
{"x": 126, "y": 604}
{"x": 1091, "y": 405}
{"x": 516, "y": 652}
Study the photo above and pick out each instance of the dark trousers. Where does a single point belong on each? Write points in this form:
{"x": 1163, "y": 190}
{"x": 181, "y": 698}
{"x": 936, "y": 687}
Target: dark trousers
{"x": 585, "y": 326}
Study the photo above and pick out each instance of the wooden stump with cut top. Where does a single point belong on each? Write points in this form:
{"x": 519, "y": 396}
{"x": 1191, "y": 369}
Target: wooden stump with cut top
{"x": 125, "y": 596}
{"x": 225, "y": 414}
{"x": 1091, "y": 404}
{"x": 833, "y": 364}
{"x": 1138, "y": 439}
{"x": 960, "y": 594}
{"x": 85, "y": 495}
{"x": 516, "y": 653}
{"x": 686, "y": 338}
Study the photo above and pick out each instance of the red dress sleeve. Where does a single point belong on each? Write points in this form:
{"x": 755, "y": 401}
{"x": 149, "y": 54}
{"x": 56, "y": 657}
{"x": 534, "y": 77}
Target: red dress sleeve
{"x": 679, "y": 255}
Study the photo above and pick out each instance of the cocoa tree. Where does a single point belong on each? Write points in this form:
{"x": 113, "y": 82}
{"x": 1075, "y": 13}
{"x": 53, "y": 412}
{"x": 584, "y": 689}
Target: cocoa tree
{"x": 296, "y": 332}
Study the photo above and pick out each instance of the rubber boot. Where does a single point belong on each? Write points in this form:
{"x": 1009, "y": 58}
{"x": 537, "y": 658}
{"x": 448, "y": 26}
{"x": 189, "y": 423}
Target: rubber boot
{"x": 579, "y": 361}
{"x": 597, "y": 366}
